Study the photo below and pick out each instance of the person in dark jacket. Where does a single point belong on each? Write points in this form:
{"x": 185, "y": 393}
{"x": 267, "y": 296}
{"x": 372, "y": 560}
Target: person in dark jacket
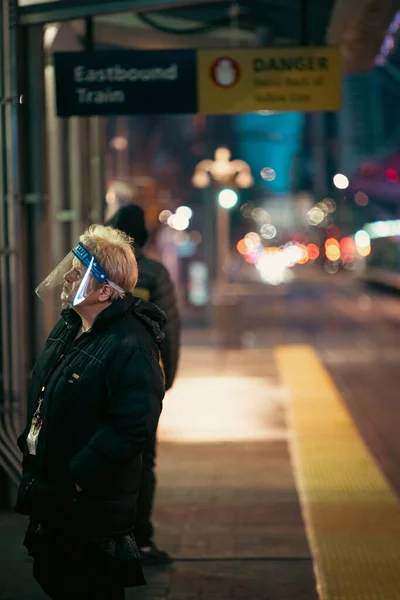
{"x": 154, "y": 285}
{"x": 94, "y": 402}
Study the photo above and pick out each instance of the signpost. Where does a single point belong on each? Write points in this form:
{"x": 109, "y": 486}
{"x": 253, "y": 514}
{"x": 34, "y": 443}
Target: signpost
{"x": 125, "y": 82}
{"x": 133, "y": 82}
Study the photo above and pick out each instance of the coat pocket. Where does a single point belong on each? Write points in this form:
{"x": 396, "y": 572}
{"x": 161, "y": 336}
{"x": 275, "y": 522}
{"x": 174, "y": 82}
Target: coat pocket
{"x": 23, "y": 504}
{"x": 38, "y": 498}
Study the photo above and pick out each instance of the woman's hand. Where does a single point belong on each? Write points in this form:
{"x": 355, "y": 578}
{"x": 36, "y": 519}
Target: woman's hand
{"x": 78, "y": 488}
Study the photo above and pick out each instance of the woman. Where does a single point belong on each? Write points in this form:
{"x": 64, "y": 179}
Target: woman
{"x": 94, "y": 402}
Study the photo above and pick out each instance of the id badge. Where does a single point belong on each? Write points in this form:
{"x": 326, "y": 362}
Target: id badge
{"x": 32, "y": 439}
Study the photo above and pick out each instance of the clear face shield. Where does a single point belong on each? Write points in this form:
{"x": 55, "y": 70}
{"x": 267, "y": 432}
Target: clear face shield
{"x": 74, "y": 279}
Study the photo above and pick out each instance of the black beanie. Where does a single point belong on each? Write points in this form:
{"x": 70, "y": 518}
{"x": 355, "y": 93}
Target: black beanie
{"x": 130, "y": 220}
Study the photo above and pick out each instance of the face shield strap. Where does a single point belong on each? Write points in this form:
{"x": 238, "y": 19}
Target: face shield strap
{"x": 93, "y": 268}
{"x": 90, "y": 263}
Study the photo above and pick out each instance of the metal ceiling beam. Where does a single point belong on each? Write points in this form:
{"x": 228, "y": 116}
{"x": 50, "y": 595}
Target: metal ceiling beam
{"x": 65, "y": 10}
{"x": 359, "y": 28}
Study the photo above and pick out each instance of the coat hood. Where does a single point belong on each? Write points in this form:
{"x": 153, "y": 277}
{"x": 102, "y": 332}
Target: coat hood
{"x": 130, "y": 220}
{"x": 152, "y": 318}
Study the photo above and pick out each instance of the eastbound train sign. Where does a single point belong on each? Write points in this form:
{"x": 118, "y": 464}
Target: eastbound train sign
{"x": 129, "y": 82}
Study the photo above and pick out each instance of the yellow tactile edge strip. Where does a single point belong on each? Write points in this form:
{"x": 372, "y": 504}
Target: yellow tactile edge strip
{"x": 351, "y": 515}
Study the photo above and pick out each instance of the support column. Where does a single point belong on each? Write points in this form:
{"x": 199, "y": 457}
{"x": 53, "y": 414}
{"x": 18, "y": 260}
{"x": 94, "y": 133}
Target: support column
{"x": 36, "y": 211}
{"x": 97, "y": 169}
{"x": 223, "y": 238}
{"x": 12, "y": 350}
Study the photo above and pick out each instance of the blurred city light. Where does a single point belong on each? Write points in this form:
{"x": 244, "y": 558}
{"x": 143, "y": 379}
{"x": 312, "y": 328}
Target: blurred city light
{"x": 164, "y": 216}
{"x": 242, "y": 247}
{"x": 244, "y": 179}
{"x": 361, "y": 199}
{"x": 222, "y": 170}
{"x": 268, "y": 232}
{"x": 252, "y": 241}
{"x": 347, "y": 246}
{"x": 251, "y": 257}
{"x": 316, "y": 216}
{"x": 185, "y": 246}
{"x": 227, "y": 198}
{"x": 363, "y": 243}
{"x": 268, "y": 174}
{"x": 331, "y": 267}
{"x": 184, "y": 211}
{"x": 322, "y": 206}
{"x": 293, "y": 254}
{"x": 313, "y": 251}
{"x": 196, "y": 237}
{"x": 364, "y": 252}
{"x": 304, "y": 255}
{"x": 392, "y": 176}
{"x": 362, "y": 239}
{"x": 329, "y": 204}
{"x": 260, "y": 215}
{"x": 341, "y": 181}
{"x": 273, "y": 267}
{"x": 246, "y": 209}
{"x": 198, "y": 283}
{"x": 331, "y": 242}
{"x": 178, "y": 222}
{"x": 119, "y": 143}
{"x": 200, "y": 179}
{"x": 333, "y": 231}
{"x": 332, "y": 252}
{"x": 382, "y": 229}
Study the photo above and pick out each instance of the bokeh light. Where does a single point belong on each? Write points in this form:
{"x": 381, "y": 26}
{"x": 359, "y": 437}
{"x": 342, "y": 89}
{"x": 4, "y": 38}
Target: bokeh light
{"x": 313, "y": 251}
{"x": 362, "y": 239}
{"x": 246, "y": 209}
{"x": 347, "y": 246}
{"x": 268, "y": 174}
{"x": 332, "y": 252}
{"x": 178, "y": 222}
{"x": 227, "y": 198}
{"x": 200, "y": 179}
{"x": 361, "y": 199}
{"x": 329, "y": 204}
{"x": 252, "y": 241}
{"x": 331, "y": 267}
{"x": 260, "y": 215}
{"x": 164, "y": 216}
{"x": 185, "y": 211}
{"x": 392, "y": 176}
{"x": 251, "y": 257}
{"x": 242, "y": 247}
{"x": 364, "y": 251}
{"x": 268, "y": 231}
{"x": 304, "y": 255}
{"x": 316, "y": 216}
{"x": 331, "y": 242}
{"x": 341, "y": 181}
{"x": 333, "y": 231}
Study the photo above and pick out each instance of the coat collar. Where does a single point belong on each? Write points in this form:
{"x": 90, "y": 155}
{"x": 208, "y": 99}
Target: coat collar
{"x": 150, "y": 315}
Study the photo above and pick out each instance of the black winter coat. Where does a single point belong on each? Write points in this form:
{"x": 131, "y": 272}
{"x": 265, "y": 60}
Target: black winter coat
{"x": 155, "y": 285}
{"x": 102, "y": 400}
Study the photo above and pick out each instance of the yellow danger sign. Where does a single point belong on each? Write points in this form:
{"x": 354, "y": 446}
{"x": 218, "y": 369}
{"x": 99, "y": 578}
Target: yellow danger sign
{"x": 281, "y": 79}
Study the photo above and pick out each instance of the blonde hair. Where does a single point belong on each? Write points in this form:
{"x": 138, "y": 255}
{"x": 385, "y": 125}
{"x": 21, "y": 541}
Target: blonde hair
{"x": 113, "y": 249}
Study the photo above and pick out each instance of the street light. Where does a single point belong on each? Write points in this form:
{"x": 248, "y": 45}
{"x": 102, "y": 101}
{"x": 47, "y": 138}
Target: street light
{"x": 222, "y": 172}
{"x": 227, "y": 198}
